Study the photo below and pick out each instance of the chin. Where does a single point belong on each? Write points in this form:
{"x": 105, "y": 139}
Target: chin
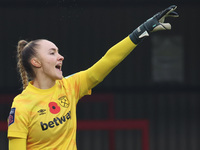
{"x": 59, "y": 78}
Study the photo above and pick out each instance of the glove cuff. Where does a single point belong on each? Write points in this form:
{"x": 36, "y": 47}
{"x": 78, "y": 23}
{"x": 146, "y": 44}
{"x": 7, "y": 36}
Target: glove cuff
{"x": 139, "y": 34}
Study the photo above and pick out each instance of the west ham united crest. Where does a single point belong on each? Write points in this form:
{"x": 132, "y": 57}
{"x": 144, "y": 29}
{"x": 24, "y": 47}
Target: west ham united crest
{"x": 64, "y": 102}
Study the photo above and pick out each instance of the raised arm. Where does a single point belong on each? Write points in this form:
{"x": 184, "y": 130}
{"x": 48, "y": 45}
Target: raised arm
{"x": 118, "y": 52}
{"x": 110, "y": 60}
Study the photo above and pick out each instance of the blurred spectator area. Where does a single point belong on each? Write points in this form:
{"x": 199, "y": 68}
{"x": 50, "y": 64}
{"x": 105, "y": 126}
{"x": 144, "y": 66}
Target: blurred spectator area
{"x": 157, "y": 83}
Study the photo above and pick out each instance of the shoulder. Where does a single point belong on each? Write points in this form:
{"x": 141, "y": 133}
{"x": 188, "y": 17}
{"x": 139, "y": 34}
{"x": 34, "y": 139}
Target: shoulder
{"x": 76, "y": 75}
{"x": 70, "y": 78}
{"x": 22, "y": 98}
{"x": 24, "y": 102}
{"x": 19, "y": 102}
{"x": 72, "y": 75}
{"x": 19, "y": 98}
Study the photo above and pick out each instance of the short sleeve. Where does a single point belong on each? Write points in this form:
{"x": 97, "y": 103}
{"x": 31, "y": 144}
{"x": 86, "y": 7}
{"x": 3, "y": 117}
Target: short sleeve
{"x": 18, "y": 121}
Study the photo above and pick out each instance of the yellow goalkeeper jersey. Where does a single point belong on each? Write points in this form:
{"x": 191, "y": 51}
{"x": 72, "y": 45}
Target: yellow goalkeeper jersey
{"x": 47, "y": 117}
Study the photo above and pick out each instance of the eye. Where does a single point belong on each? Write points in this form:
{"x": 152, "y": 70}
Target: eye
{"x": 52, "y": 53}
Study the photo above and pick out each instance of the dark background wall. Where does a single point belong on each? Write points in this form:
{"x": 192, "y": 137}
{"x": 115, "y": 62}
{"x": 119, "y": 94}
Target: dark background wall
{"x": 85, "y": 30}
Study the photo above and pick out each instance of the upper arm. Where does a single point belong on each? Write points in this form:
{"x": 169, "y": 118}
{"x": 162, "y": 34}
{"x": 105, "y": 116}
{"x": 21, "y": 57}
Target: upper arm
{"x": 17, "y": 144}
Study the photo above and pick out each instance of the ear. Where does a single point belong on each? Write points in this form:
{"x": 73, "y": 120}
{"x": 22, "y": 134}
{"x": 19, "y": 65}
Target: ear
{"x": 35, "y": 62}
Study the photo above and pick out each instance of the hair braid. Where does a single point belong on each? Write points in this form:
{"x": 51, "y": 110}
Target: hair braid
{"x": 22, "y": 71}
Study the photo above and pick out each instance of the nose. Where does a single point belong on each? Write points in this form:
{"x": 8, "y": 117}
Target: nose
{"x": 60, "y": 57}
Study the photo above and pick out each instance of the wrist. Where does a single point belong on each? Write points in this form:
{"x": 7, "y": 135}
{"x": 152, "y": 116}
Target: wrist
{"x": 139, "y": 34}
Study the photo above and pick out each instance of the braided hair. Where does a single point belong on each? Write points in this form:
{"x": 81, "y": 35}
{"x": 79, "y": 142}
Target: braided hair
{"x": 25, "y": 51}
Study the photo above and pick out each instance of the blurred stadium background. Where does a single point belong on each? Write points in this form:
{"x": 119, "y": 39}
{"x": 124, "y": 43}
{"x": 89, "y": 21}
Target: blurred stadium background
{"x": 150, "y": 101}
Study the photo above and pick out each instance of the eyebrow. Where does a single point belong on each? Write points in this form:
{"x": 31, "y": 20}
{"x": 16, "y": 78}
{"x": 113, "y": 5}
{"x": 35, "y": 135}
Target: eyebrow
{"x": 54, "y": 49}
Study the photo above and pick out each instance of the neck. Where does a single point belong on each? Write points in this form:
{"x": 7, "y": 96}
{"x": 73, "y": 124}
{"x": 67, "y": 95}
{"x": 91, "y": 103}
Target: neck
{"x": 43, "y": 83}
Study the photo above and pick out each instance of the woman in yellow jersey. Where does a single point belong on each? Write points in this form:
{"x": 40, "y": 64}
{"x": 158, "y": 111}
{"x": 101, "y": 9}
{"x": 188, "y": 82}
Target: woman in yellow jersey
{"x": 43, "y": 116}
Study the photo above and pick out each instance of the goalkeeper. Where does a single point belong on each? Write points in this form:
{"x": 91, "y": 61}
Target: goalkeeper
{"x": 43, "y": 116}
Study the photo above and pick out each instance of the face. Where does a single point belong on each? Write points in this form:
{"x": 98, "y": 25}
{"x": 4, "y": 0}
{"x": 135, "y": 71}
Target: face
{"x": 50, "y": 61}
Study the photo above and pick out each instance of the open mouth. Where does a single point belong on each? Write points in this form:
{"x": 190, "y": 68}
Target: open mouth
{"x": 59, "y": 66}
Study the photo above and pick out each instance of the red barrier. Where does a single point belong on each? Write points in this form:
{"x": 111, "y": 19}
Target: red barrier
{"x": 113, "y": 125}
{"x": 3, "y": 126}
{"x": 6, "y": 98}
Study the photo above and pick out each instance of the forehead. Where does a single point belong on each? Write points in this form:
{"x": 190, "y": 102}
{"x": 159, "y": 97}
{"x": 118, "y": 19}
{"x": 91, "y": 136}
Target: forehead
{"x": 46, "y": 45}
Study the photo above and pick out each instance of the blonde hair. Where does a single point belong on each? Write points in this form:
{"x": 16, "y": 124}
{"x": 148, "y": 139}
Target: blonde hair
{"x": 25, "y": 51}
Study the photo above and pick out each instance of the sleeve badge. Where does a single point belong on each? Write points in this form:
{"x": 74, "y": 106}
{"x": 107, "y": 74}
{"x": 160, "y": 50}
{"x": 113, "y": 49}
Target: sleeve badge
{"x": 11, "y": 118}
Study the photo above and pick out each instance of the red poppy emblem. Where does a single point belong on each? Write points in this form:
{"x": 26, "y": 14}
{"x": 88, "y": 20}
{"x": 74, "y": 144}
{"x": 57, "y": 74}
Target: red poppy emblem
{"x": 54, "y": 108}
